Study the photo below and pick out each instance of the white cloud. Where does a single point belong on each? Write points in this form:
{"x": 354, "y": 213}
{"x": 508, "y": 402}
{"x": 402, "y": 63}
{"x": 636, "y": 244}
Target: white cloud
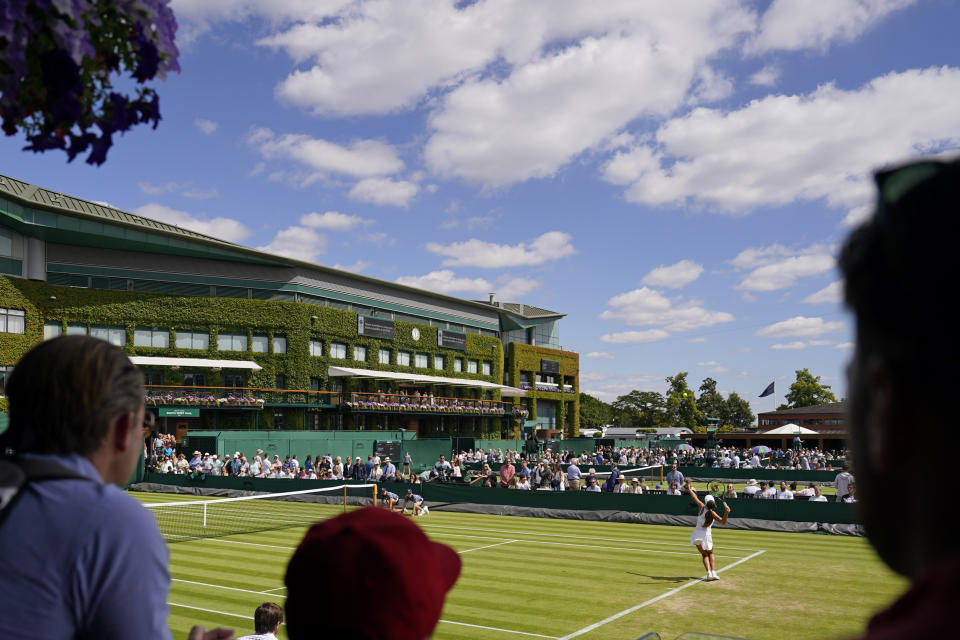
{"x": 332, "y": 221}
{"x": 160, "y": 189}
{"x": 219, "y": 227}
{"x": 445, "y": 281}
{"x": 831, "y": 294}
{"x": 790, "y": 346}
{"x": 711, "y": 363}
{"x": 635, "y": 337}
{"x": 359, "y": 159}
{"x": 552, "y": 245}
{"x": 600, "y": 355}
{"x": 698, "y": 340}
{"x": 514, "y": 288}
{"x": 782, "y": 149}
{"x": 299, "y": 243}
{"x": 384, "y": 191}
{"x": 196, "y": 17}
{"x": 201, "y": 194}
{"x": 357, "y": 267}
{"x": 778, "y": 267}
{"x": 800, "y": 327}
{"x": 208, "y": 127}
{"x": 674, "y": 276}
{"x": 646, "y": 307}
{"x": 718, "y": 369}
{"x": 800, "y": 24}
{"x": 845, "y": 345}
{"x": 766, "y": 77}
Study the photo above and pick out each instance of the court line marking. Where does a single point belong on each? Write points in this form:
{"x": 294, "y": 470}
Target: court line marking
{"x": 562, "y": 535}
{"x": 478, "y": 626}
{"x": 464, "y": 535}
{"x": 615, "y": 616}
{"x": 462, "y": 624}
{"x": 272, "y": 590}
{"x": 217, "y": 586}
{"x": 489, "y": 546}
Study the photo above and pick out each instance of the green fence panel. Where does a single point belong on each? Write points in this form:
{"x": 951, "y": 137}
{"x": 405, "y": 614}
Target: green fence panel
{"x": 425, "y": 453}
{"x": 4, "y": 422}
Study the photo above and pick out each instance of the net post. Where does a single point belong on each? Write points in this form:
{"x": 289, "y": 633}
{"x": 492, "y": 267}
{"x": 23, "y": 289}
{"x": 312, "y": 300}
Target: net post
{"x": 374, "y": 495}
{"x": 344, "y": 498}
{"x": 204, "y": 516}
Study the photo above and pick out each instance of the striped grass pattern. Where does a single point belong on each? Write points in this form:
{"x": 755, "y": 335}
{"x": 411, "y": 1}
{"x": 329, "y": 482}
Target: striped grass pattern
{"x": 564, "y": 579}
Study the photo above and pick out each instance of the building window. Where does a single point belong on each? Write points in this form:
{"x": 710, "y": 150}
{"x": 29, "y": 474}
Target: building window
{"x": 52, "y": 330}
{"x": 316, "y": 348}
{"x": 438, "y": 363}
{"x": 338, "y": 350}
{"x": 76, "y": 329}
{"x": 314, "y": 384}
{"x": 193, "y": 340}
{"x": 152, "y": 376}
{"x": 458, "y": 365}
{"x": 360, "y": 353}
{"x": 12, "y": 321}
{"x": 4, "y": 376}
{"x": 486, "y": 368}
{"x": 234, "y": 379}
{"x": 232, "y": 342}
{"x": 471, "y": 366}
{"x": 336, "y": 385}
{"x": 384, "y": 356}
{"x": 421, "y": 361}
{"x": 280, "y": 382}
{"x": 194, "y": 379}
{"x": 114, "y": 335}
{"x": 148, "y": 337}
{"x": 257, "y": 345}
{"x": 403, "y": 358}
{"x": 279, "y": 344}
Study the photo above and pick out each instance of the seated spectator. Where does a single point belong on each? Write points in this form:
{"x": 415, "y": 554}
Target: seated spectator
{"x": 818, "y": 495}
{"x": 784, "y": 493}
{"x": 524, "y": 484}
{"x": 770, "y": 493}
{"x": 592, "y": 485}
{"x": 266, "y": 622}
{"x": 851, "y": 493}
{"x": 751, "y": 490}
{"x": 365, "y": 550}
{"x": 804, "y": 493}
{"x": 730, "y": 492}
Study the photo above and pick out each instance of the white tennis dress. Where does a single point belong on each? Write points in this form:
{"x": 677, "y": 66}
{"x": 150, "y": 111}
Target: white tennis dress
{"x": 702, "y": 535}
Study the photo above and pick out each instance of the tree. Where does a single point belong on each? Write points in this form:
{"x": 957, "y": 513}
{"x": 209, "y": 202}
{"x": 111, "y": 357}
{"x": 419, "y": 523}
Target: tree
{"x": 681, "y": 404}
{"x": 710, "y": 402}
{"x": 807, "y": 391}
{"x": 57, "y": 62}
{"x": 594, "y": 413}
{"x": 641, "y": 409}
{"x": 737, "y": 413}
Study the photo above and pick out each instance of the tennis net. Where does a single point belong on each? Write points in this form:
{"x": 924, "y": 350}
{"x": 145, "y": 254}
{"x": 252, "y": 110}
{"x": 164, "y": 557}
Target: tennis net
{"x": 652, "y": 475}
{"x": 193, "y": 519}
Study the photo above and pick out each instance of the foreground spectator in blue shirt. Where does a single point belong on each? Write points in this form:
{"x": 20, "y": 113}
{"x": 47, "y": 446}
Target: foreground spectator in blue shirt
{"x": 81, "y": 559}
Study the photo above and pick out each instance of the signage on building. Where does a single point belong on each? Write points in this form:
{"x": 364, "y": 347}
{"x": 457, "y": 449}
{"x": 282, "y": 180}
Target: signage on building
{"x": 451, "y": 340}
{"x": 388, "y": 449}
{"x": 179, "y": 413}
{"x": 549, "y": 366}
{"x": 375, "y": 327}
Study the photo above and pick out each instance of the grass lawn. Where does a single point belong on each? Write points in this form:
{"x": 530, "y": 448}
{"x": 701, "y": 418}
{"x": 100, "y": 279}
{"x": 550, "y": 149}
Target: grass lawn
{"x": 558, "y": 579}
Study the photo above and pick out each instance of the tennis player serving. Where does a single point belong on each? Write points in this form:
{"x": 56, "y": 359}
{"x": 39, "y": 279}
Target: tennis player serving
{"x": 702, "y": 536}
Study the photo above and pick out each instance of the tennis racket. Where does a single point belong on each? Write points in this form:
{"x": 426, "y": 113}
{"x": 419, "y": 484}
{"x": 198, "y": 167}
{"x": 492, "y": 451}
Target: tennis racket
{"x": 716, "y": 490}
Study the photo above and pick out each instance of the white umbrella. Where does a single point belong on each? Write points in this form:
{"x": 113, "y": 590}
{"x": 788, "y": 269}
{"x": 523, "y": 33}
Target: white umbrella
{"x": 789, "y": 430}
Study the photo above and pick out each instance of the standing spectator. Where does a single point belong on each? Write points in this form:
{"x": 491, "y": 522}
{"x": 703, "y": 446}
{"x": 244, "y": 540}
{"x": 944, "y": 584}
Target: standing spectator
{"x": 507, "y": 471}
{"x": 755, "y": 461}
{"x": 675, "y": 477}
{"x": 573, "y": 476}
{"x": 407, "y": 463}
{"x": 843, "y": 480}
{"x": 359, "y": 469}
{"x": 266, "y": 622}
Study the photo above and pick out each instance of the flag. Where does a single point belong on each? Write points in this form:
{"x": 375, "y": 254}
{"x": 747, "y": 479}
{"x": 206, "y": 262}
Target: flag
{"x": 769, "y": 390}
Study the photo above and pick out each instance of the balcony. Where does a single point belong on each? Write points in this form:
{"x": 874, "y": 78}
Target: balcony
{"x": 253, "y": 398}
{"x": 237, "y": 397}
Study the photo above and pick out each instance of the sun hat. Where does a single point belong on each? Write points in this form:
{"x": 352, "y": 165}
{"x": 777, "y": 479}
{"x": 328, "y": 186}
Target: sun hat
{"x": 372, "y": 547}
{"x": 751, "y": 482}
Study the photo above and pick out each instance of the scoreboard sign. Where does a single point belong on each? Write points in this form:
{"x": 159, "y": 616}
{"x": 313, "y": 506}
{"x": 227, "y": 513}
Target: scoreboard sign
{"x": 451, "y": 339}
{"x": 375, "y": 327}
{"x": 549, "y": 366}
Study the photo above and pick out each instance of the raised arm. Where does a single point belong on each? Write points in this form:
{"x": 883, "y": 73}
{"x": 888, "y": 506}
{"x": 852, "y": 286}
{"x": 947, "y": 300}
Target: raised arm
{"x": 726, "y": 514}
{"x": 693, "y": 494}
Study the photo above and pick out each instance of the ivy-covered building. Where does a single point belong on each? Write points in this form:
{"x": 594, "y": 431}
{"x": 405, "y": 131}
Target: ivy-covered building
{"x": 229, "y": 337}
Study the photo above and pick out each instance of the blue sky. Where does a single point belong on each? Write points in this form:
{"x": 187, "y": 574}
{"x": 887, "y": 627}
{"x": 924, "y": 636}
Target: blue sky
{"x": 675, "y": 178}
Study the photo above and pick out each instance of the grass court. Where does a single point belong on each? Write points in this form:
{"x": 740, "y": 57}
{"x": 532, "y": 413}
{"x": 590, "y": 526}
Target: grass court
{"x": 564, "y": 579}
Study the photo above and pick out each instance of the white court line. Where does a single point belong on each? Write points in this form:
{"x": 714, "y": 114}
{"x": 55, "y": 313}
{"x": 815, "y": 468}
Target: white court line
{"x": 563, "y": 535}
{"x": 615, "y": 616}
{"x": 477, "y": 626}
{"x": 462, "y": 624}
{"x": 218, "y": 586}
{"x": 272, "y": 590}
{"x": 488, "y": 546}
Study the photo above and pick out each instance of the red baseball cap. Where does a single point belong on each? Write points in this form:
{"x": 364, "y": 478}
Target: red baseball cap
{"x": 369, "y": 551}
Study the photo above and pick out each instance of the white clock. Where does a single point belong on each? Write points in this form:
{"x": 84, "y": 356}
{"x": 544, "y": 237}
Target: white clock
{"x": 415, "y": 334}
